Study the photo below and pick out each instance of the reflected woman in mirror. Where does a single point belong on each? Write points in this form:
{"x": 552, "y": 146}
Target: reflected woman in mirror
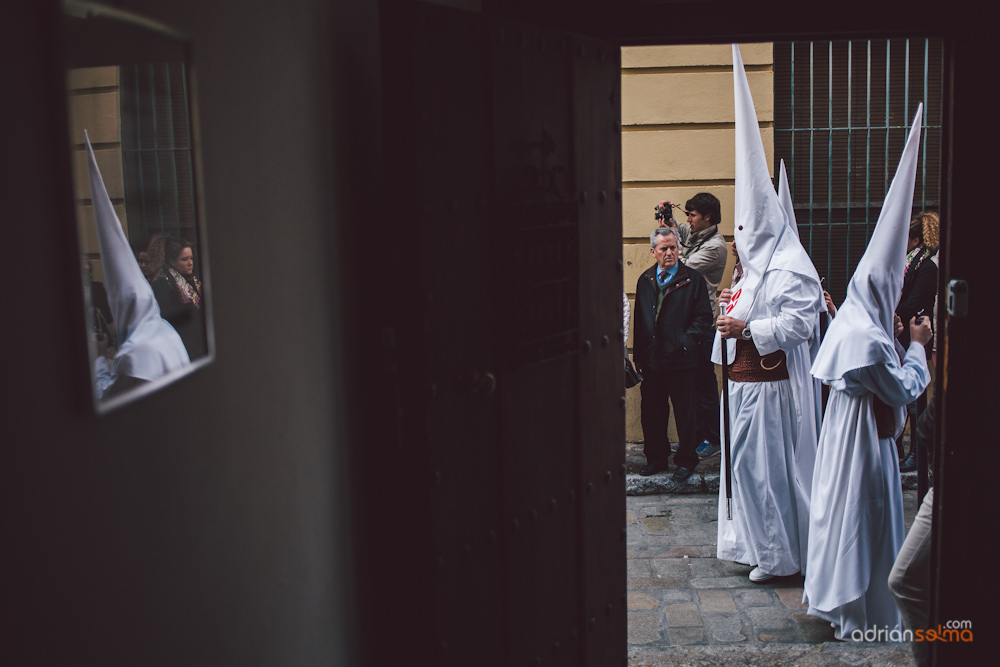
{"x": 178, "y": 292}
{"x": 151, "y": 259}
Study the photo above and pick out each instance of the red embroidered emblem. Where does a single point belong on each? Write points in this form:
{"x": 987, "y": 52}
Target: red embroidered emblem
{"x": 732, "y": 302}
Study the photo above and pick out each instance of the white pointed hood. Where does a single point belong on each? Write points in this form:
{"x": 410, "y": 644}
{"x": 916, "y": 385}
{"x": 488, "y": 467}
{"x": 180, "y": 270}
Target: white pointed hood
{"x": 785, "y": 199}
{"x": 861, "y": 334}
{"x": 761, "y": 230}
{"x": 148, "y": 347}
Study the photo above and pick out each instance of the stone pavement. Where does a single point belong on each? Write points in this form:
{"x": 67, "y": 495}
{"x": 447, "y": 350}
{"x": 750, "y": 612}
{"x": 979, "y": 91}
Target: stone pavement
{"x": 688, "y": 608}
{"x": 705, "y": 478}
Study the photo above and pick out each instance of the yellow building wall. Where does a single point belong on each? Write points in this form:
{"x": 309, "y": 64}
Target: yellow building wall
{"x": 678, "y": 139}
{"x": 93, "y": 105}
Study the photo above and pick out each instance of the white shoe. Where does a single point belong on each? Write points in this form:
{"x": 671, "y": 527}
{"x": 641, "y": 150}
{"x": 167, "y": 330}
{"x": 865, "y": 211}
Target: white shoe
{"x": 758, "y": 576}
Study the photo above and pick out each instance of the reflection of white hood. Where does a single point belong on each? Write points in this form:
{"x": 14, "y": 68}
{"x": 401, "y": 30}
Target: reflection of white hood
{"x": 761, "y": 230}
{"x": 148, "y": 347}
{"x": 861, "y": 334}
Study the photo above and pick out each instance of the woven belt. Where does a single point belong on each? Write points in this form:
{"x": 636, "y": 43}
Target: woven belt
{"x": 749, "y": 366}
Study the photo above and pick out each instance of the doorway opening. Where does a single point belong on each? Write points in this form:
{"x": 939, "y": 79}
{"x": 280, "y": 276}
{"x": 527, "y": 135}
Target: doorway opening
{"x": 837, "y": 113}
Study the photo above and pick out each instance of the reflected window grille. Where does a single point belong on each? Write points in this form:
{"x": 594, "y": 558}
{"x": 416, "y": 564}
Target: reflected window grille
{"x": 156, "y": 147}
{"x": 842, "y": 113}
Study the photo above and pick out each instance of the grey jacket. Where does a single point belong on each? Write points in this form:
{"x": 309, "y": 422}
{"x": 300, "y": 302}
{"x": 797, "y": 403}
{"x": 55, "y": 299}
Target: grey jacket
{"x": 705, "y": 252}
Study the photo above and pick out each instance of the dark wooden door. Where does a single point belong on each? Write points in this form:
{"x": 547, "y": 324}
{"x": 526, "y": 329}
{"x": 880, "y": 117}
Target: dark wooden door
{"x": 502, "y": 339}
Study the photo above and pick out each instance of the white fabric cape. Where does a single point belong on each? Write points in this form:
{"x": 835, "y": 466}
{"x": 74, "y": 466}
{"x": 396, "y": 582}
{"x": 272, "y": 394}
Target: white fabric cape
{"x": 785, "y": 197}
{"x": 148, "y": 347}
{"x": 807, "y": 401}
{"x": 856, "y": 524}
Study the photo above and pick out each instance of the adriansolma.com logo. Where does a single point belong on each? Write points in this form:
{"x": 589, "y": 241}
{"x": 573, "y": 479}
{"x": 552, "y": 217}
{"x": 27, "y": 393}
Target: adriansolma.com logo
{"x": 952, "y": 631}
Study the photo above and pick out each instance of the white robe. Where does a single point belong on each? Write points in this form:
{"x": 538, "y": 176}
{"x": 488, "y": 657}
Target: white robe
{"x": 771, "y": 475}
{"x": 856, "y": 526}
{"x": 804, "y": 394}
{"x": 814, "y": 344}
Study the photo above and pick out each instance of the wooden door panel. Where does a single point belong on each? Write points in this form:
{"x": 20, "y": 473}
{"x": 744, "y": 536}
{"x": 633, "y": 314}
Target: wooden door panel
{"x": 506, "y": 241}
{"x": 541, "y": 501}
{"x": 447, "y": 178}
{"x": 596, "y": 84}
{"x": 537, "y": 204}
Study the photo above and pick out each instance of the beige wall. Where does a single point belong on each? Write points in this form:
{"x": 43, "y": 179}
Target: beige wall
{"x": 94, "y": 107}
{"x": 678, "y": 140}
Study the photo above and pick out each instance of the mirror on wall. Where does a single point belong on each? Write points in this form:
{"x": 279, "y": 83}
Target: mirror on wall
{"x": 134, "y": 155}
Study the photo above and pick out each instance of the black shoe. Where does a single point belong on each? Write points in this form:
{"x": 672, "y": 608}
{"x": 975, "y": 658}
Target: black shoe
{"x": 682, "y": 473}
{"x": 909, "y": 464}
{"x": 648, "y": 470}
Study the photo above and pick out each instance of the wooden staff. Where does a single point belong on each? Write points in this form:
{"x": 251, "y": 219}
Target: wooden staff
{"x": 725, "y": 423}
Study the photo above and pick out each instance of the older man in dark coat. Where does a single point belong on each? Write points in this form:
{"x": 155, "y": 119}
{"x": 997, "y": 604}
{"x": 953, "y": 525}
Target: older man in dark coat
{"x": 672, "y": 316}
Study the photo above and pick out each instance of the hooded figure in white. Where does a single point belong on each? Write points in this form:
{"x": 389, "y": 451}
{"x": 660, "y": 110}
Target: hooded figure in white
{"x": 771, "y": 311}
{"x": 856, "y": 526}
{"x": 809, "y": 428}
{"x": 148, "y": 347}
{"x": 807, "y": 388}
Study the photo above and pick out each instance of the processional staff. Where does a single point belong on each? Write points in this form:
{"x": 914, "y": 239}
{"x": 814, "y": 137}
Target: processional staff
{"x": 725, "y": 421}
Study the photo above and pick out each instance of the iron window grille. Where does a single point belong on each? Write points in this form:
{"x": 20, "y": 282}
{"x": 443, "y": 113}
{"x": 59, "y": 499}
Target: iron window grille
{"x": 156, "y": 148}
{"x": 842, "y": 113}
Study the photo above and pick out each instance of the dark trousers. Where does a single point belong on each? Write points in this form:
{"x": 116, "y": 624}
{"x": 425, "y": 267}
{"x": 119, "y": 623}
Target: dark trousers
{"x": 659, "y": 389}
{"x": 706, "y": 395}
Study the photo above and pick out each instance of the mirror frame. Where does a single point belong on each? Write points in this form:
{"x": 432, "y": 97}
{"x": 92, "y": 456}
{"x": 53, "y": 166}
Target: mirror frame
{"x": 142, "y": 35}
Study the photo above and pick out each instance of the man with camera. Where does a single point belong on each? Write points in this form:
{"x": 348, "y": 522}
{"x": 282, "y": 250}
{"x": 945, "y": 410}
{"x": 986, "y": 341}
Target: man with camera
{"x": 671, "y": 316}
{"x": 703, "y": 249}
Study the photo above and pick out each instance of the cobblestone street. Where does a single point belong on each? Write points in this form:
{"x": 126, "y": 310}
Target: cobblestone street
{"x": 688, "y": 608}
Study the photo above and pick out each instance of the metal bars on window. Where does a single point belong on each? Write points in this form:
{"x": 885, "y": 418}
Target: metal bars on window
{"x": 156, "y": 149}
{"x": 842, "y": 112}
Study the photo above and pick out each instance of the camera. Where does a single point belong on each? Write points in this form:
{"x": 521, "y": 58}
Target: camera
{"x": 667, "y": 214}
